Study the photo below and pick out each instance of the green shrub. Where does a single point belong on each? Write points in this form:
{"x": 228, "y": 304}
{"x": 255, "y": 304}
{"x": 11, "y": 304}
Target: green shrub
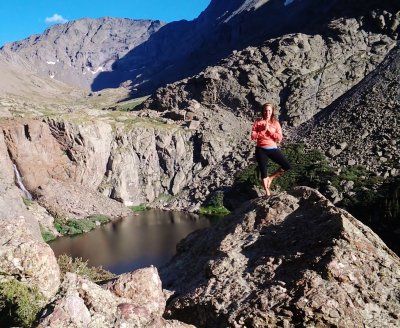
{"x": 138, "y": 208}
{"x": 81, "y": 268}
{"x": 19, "y": 304}
{"x": 308, "y": 168}
{"x": 378, "y": 207}
{"x": 48, "y": 236}
{"x": 215, "y": 205}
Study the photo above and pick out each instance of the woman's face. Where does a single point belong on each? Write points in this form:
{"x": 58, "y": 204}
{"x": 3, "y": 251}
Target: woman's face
{"x": 268, "y": 112}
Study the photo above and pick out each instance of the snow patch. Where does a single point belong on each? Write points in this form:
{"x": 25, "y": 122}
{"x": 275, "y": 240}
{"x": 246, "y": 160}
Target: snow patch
{"x": 52, "y": 75}
{"x": 51, "y": 63}
{"x": 98, "y": 69}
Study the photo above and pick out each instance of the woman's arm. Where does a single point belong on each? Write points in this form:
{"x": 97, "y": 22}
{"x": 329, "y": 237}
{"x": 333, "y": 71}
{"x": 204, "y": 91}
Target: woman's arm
{"x": 254, "y": 132}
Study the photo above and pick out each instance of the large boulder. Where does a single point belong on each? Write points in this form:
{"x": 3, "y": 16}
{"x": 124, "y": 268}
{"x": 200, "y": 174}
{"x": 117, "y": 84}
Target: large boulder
{"x": 291, "y": 260}
{"x": 132, "y": 300}
{"x": 26, "y": 259}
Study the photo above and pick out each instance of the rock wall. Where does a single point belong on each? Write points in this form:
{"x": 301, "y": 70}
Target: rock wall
{"x": 73, "y": 169}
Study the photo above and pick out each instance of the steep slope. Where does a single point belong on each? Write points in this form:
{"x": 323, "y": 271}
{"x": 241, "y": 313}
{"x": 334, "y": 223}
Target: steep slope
{"x": 301, "y": 72}
{"x": 362, "y": 127}
{"x": 76, "y": 52}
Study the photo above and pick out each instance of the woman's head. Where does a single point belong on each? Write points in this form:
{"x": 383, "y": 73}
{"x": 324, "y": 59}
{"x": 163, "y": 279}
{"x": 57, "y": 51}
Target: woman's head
{"x": 268, "y": 112}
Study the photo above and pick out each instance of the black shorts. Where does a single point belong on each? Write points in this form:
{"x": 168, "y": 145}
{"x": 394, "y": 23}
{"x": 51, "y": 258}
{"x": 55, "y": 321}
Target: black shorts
{"x": 262, "y": 156}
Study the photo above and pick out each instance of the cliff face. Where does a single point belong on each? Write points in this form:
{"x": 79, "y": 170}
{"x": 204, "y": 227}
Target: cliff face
{"x": 73, "y": 169}
{"x": 292, "y": 260}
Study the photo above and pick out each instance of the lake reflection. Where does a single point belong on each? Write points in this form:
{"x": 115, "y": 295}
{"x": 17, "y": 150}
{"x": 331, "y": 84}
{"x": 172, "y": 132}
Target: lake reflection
{"x": 147, "y": 238}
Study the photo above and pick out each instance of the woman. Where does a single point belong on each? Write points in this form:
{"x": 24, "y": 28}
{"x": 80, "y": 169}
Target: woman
{"x": 268, "y": 132}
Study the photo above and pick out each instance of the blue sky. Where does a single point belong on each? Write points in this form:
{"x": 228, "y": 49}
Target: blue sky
{"x": 21, "y": 18}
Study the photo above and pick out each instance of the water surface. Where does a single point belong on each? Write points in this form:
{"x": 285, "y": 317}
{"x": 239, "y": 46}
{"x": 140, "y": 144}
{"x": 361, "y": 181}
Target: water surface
{"x": 147, "y": 238}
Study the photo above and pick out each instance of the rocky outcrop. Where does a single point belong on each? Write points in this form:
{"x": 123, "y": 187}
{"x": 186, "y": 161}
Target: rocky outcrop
{"x": 361, "y": 127}
{"x": 26, "y": 259}
{"x": 290, "y": 260}
{"x": 77, "y": 51}
{"x": 133, "y": 300}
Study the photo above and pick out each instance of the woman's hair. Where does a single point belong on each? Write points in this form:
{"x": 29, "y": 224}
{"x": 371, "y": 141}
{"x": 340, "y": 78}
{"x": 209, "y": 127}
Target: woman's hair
{"x": 273, "y": 115}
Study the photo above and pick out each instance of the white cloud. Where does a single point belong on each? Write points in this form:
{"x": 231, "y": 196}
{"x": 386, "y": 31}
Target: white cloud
{"x": 55, "y": 19}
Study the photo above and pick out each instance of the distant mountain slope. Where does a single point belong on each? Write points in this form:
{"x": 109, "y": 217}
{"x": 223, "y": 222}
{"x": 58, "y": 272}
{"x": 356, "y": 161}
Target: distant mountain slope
{"x": 19, "y": 81}
{"x": 362, "y": 127}
{"x": 76, "y": 52}
{"x": 103, "y": 53}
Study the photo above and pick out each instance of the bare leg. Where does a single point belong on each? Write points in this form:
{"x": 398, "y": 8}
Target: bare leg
{"x": 266, "y": 184}
{"x": 276, "y": 174}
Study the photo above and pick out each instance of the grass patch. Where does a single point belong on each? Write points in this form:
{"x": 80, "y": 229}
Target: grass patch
{"x": 75, "y": 226}
{"x": 19, "y": 304}
{"x": 214, "y": 211}
{"x": 81, "y": 268}
{"x": 46, "y": 235}
{"x": 138, "y": 208}
{"x": 131, "y": 105}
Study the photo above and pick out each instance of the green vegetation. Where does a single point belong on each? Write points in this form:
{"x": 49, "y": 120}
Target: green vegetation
{"x": 214, "y": 211}
{"x": 19, "y": 304}
{"x": 215, "y": 206}
{"x": 74, "y": 226}
{"x": 46, "y": 235}
{"x": 28, "y": 202}
{"x": 131, "y": 105}
{"x": 138, "y": 208}
{"x": 81, "y": 268}
{"x": 309, "y": 168}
